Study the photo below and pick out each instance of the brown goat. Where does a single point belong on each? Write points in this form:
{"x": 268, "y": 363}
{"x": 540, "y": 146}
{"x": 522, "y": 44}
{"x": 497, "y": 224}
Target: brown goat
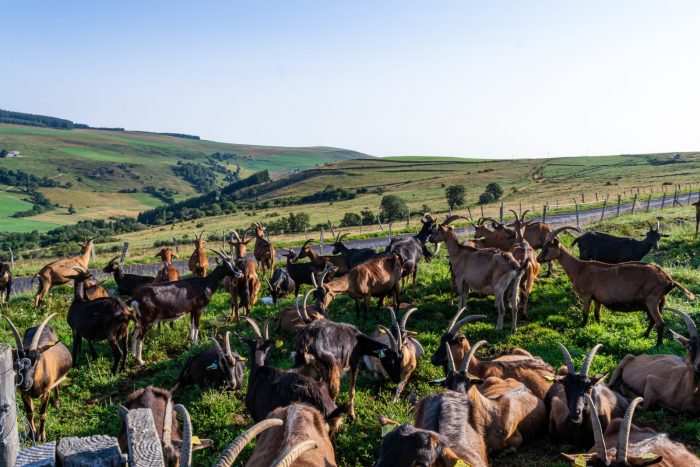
{"x": 635, "y": 446}
{"x": 337, "y": 261}
{"x": 487, "y": 271}
{"x": 5, "y": 283}
{"x": 169, "y": 272}
{"x": 243, "y": 291}
{"x": 377, "y": 277}
{"x": 263, "y": 250}
{"x": 697, "y": 216}
{"x": 42, "y": 363}
{"x": 632, "y": 286}
{"x": 291, "y": 319}
{"x": 665, "y": 380}
{"x": 61, "y": 271}
{"x": 198, "y": 262}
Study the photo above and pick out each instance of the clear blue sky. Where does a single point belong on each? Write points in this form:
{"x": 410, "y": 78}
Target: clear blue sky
{"x": 492, "y": 78}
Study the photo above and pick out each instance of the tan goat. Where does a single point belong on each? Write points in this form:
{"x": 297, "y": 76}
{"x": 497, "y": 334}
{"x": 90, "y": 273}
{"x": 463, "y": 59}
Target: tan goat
{"x": 665, "y": 380}
{"x": 338, "y": 261}
{"x": 168, "y": 273}
{"x": 243, "y": 291}
{"x": 61, "y": 271}
{"x": 198, "y": 262}
{"x": 263, "y": 250}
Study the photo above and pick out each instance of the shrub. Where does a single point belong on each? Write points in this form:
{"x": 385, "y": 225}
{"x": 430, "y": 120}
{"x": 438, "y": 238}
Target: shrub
{"x": 486, "y": 198}
{"x": 351, "y": 219}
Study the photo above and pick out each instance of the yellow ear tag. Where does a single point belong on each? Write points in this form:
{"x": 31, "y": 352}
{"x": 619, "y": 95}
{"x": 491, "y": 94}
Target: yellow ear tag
{"x": 381, "y": 331}
{"x": 549, "y": 378}
{"x": 649, "y": 455}
{"x": 461, "y": 463}
{"x": 386, "y": 429}
{"x": 279, "y": 344}
{"x": 580, "y": 461}
{"x": 242, "y": 359}
{"x": 196, "y": 441}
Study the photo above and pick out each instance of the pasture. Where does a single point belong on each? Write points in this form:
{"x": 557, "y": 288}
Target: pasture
{"x": 91, "y": 394}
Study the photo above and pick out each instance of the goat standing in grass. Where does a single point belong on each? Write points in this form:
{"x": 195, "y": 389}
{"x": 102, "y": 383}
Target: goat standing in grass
{"x": 411, "y": 249}
{"x": 127, "y": 284}
{"x": 606, "y": 248}
{"x": 263, "y": 250}
{"x": 338, "y": 261}
{"x": 353, "y": 256}
{"x": 5, "y": 283}
{"x": 168, "y": 272}
{"x": 243, "y": 291}
{"x": 61, "y": 271}
{"x": 198, "y": 262}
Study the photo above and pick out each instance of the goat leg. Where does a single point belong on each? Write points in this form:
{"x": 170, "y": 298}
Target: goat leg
{"x": 596, "y": 311}
{"x": 42, "y": 416}
{"x": 125, "y": 349}
{"x": 55, "y": 402}
{"x": 77, "y": 341}
{"x": 586, "y": 310}
{"x": 93, "y": 352}
{"x": 29, "y": 410}
{"x": 116, "y": 354}
{"x": 351, "y": 392}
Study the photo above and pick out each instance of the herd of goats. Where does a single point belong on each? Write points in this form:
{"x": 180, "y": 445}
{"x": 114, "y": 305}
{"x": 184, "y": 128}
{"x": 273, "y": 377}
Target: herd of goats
{"x": 488, "y": 407}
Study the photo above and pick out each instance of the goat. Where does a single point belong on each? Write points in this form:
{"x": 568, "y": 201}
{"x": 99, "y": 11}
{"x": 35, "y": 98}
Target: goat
{"x": 98, "y": 320}
{"x": 504, "y": 409}
{"x": 214, "y": 368}
{"x": 169, "y": 301}
{"x": 629, "y": 286}
{"x": 270, "y": 388}
{"x": 127, "y": 284}
{"x": 292, "y": 436}
{"x": 291, "y": 319}
{"x": 169, "y": 272}
{"x": 176, "y": 441}
{"x": 521, "y": 366}
{"x": 665, "y": 380}
{"x": 41, "y": 363}
{"x": 403, "y": 343}
{"x": 606, "y": 248}
{"x": 377, "y": 277}
{"x": 301, "y": 273}
{"x": 636, "y": 447}
{"x": 338, "y": 261}
{"x": 93, "y": 289}
{"x": 324, "y": 349}
{"x": 61, "y": 271}
{"x": 353, "y": 256}
{"x": 281, "y": 284}
{"x": 411, "y": 249}
{"x": 5, "y": 283}
{"x": 244, "y": 290}
{"x": 568, "y": 403}
{"x": 198, "y": 262}
{"x": 444, "y": 433}
{"x": 697, "y": 217}
{"x": 263, "y": 250}
{"x": 488, "y": 271}
{"x": 524, "y": 253}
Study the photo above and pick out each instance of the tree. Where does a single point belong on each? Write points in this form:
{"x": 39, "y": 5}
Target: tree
{"x": 495, "y": 189}
{"x": 455, "y": 195}
{"x": 3, "y": 153}
{"x": 71, "y": 210}
{"x": 393, "y": 208}
{"x": 368, "y": 217}
{"x": 486, "y": 197}
{"x": 350, "y": 219}
{"x": 298, "y": 222}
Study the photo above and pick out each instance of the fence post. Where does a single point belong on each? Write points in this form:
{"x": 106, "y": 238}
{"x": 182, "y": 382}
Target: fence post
{"x": 320, "y": 243}
{"x": 675, "y": 198}
{"x": 576, "y": 204}
{"x": 482, "y": 210}
{"x": 9, "y": 436}
{"x": 648, "y": 202}
{"x": 583, "y": 198}
{"x": 144, "y": 444}
{"x": 544, "y": 214}
{"x": 634, "y": 202}
{"x": 602, "y": 214}
{"x": 177, "y": 248}
{"x": 688, "y": 200}
{"x": 12, "y": 259}
{"x": 596, "y": 197}
{"x": 125, "y": 248}
{"x": 501, "y": 213}
{"x": 663, "y": 200}
{"x": 391, "y": 235}
{"x": 520, "y": 207}
{"x": 618, "y": 205}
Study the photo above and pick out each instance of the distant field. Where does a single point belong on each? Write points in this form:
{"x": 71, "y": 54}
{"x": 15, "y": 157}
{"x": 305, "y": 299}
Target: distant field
{"x": 10, "y": 203}
{"x": 432, "y": 158}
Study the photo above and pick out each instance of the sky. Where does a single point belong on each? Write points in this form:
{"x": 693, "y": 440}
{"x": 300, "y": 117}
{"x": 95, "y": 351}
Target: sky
{"x": 464, "y": 78}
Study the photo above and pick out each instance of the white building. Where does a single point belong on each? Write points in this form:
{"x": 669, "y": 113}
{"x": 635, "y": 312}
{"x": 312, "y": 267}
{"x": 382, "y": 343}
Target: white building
{"x": 14, "y": 154}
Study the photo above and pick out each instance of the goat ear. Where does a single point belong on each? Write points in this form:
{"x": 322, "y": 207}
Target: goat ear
{"x": 47, "y": 346}
{"x": 600, "y": 379}
{"x": 580, "y": 460}
{"x": 218, "y": 261}
{"x": 200, "y": 443}
{"x": 678, "y": 337}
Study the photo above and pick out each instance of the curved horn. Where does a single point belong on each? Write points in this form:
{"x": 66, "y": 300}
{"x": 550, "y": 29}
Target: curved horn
{"x": 305, "y": 315}
{"x": 428, "y": 217}
{"x": 522, "y": 216}
{"x": 123, "y": 412}
{"x": 186, "y": 449}
{"x": 228, "y": 457}
{"x": 470, "y": 355}
{"x": 450, "y": 328}
{"x": 624, "y": 433}
{"x": 450, "y": 359}
{"x": 268, "y": 283}
{"x": 18, "y": 339}
{"x": 168, "y": 424}
{"x": 217, "y": 346}
{"x": 37, "y": 335}
{"x": 557, "y": 231}
{"x": 600, "y": 448}
{"x": 393, "y": 316}
{"x": 253, "y": 325}
{"x": 313, "y": 279}
{"x": 687, "y": 319}
{"x": 288, "y": 456}
{"x": 567, "y": 358}
{"x": 651, "y": 227}
{"x": 266, "y": 329}
{"x": 404, "y": 318}
{"x": 392, "y": 340}
{"x": 342, "y": 236}
{"x": 467, "y": 319}
{"x": 483, "y": 219}
{"x": 517, "y": 218}
{"x": 658, "y": 225}
{"x": 305, "y": 244}
{"x": 114, "y": 259}
{"x": 449, "y": 219}
{"x": 589, "y": 359}
{"x": 227, "y": 343}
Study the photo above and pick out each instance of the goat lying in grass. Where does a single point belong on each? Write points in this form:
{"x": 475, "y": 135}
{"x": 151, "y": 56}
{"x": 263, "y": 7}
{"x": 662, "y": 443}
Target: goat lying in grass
{"x": 214, "y": 368}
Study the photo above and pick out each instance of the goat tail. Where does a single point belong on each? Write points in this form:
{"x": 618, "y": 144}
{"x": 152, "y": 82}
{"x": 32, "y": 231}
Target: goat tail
{"x": 687, "y": 292}
{"x": 31, "y": 284}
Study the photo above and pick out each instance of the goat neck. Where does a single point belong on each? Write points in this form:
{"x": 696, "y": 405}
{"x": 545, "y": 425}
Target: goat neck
{"x": 571, "y": 265}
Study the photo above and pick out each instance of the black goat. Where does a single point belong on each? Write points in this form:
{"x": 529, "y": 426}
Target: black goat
{"x": 410, "y": 249}
{"x": 269, "y": 388}
{"x": 169, "y": 301}
{"x": 353, "y": 256}
{"x": 127, "y": 284}
{"x": 300, "y": 273}
{"x": 598, "y": 246}
{"x": 98, "y": 320}
{"x": 324, "y": 349}
{"x": 5, "y": 283}
{"x": 214, "y": 368}
{"x": 281, "y": 284}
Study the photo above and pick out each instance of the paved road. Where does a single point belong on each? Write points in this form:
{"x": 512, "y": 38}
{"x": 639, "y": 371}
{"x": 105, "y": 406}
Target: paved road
{"x": 22, "y": 284}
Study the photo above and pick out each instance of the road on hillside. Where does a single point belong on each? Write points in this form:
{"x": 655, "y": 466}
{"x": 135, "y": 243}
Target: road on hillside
{"x": 588, "y": 216}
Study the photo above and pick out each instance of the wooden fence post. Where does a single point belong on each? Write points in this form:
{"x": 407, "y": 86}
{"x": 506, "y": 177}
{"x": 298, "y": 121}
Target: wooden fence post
{"x": 501, "y": 213}
{"x": 320, "y": 243}
{"x": 482, "y": 210}
{"x": 596, "y": 197}
{"x": 634, "y": 202}
{"x": 12, "y": 259}
{"x": 391, "y": 235}
{"x": 648, "y": 202}
{"x": 9, "y": 436}
{"x": 544, "y": 214}
{"x": 144, "y": 444}
{"x": 177, "y": 249}
{"x": 125, "y": 249}
{"x": 602, "y": 214}
{"x": 663, "y": 200}
{"x": 520, "y": 207}
{"x": 576, "y": 204}
{"x": 618, "y": 205}
{"x": 583, "y": 199}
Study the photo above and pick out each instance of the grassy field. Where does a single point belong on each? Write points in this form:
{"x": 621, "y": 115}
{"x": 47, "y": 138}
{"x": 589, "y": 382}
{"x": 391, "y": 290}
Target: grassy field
{"x": 90, "y": 395}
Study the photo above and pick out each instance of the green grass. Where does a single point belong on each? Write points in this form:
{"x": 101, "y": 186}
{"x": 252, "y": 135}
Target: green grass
{"x": 90, "y": 395}
{"x": 12, "y": 202}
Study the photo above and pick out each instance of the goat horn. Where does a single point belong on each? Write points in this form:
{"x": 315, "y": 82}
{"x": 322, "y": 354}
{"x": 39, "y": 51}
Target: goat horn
{"x": 651, "y": 227}
{"x": 313, "y": 279}
{"x": 556, "y": 232}
{"x": 266, "y": 328}
{"x": 404, "y": 318}
{"x": 589, "y": 359}
{"x": 450, "y": 359}
{"x": 392, "y": 339}
{"x": 168, "y": 423}
{"x": 449, "y": 219}
{"x": 601, "y": 450}
{"x": 18, "y": 340}
{"x": 467, "y": 319}
{"x": 253, "y": 325}
{"x": 517, "y": 219}
{"x": 393, "y": 316}
{"x": 658, "y": 225}
{"x": 482, "y": 219}
{"x": 428, "y": 217}
{"x": 238, "y": 237}
{"x": 186, "y": 449}
{"x": 522, "y": 216}
{"x": 305, "y": 316}
{"x": 111, "y": 261}
{"x": 450, "y": 328}
{"x": 342, "y": 236}
{"x": 228, "y": 457}
{"x": 688, "y": 322}
{"x": 624, "y": 434}
{"x": 217, "y": 346}
{"x": 39, "y": 331}
{"x": 567, "y": 358}
{"x": 470, "y": 354}
{"x": 288, "y": 456}
{"x": 268, "y": 283}
{"x": 306, "y": 243}
{"x": 227, "y": 343}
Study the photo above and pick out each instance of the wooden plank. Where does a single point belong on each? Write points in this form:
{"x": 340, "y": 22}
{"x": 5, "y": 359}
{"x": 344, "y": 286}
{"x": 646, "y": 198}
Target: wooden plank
{"x": 9, "y": 437}
{"x": 144, "y": 444}
{"x": 91, "y": 451}
{"x": 40, "y": 455}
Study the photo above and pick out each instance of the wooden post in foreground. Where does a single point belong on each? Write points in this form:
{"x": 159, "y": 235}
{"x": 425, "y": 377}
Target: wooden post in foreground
{"x": 9, "y": 437}
{"x": 144, "y": 445}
